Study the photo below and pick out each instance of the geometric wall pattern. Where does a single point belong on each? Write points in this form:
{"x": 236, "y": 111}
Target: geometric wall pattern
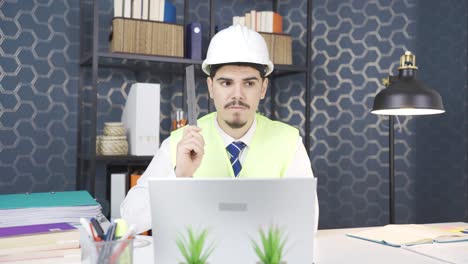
{"x": 39, "y": 56}
{"x": 354, "y": 45}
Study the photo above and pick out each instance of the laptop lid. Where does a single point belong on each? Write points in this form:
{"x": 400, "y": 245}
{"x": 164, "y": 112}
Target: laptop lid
{"x": 233, "y": 210}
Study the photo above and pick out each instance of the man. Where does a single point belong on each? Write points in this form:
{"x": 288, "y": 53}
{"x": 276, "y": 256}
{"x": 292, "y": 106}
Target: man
{"x": 234, "y": 141}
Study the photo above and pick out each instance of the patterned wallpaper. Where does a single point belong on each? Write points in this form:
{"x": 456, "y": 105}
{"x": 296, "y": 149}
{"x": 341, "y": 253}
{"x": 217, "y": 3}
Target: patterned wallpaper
{"x": 39, "y": 55}
{"x": 355, "y": 44}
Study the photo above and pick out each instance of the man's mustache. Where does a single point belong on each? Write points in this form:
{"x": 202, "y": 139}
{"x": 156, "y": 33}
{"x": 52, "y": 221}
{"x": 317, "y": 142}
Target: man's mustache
{"x": 236, "y": 102}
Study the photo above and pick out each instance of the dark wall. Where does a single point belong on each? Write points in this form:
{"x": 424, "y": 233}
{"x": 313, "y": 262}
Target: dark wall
{"x": 440, "y": 168}
{"x": 39, "y": 56}
{"x": 355, "y": 44}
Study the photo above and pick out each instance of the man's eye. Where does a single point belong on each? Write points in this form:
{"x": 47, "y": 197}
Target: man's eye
{"x": 249, "y": 84}
{"x": 226, "y": 83}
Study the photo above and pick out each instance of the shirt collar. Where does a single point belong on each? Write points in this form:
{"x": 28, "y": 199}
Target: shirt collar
{"x": 247, "y": 138}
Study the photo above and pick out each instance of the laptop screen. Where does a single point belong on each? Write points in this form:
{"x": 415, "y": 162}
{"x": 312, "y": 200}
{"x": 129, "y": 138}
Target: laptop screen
{"x": 233, "y": 211}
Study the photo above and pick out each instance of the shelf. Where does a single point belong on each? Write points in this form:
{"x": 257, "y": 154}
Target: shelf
{"x": 121, "y": 159}
{"x": 139, "y": 61}
{"x": 171, "y": 64}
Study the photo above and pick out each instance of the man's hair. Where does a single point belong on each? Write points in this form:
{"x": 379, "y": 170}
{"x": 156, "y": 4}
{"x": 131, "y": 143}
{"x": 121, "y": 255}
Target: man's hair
{"x": 262, "y": 69}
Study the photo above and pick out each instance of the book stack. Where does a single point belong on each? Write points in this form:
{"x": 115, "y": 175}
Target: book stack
{"x": 45, "y": 243}
{"x": 46, "y": 208}
{"x": 146, "y": 27}
{"x": 279, "y": 47}
{"x": 270, "y": 25}
{"x": 261, "y": 21}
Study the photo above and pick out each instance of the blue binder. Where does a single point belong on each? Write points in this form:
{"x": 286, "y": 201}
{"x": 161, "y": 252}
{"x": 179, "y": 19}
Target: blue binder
{"x": 169, "y": 12}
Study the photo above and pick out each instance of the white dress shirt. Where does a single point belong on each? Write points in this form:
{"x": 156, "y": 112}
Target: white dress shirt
{"x": 135, "y": 209}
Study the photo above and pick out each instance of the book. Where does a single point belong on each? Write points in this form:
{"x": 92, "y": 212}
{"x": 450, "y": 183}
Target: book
{"x": 407, "y": 235}
{"x": 129, "y": 33}
{"x": 154, "y": 14}
{"x": 34, "y": 229}
{"x": 144, "y": 36}
{"x": 133, "y": 181}
{"x": 127, "y": 8}
{"x": 21, "y": 239}
{"x": 134, "y": 177}
{"x": 446, "y": 252}
{"x": 279, "y": 47}
{"x": 137, "y": 9}
{"x": 169, "y": 12}
{"x": 46, "y": 199}
{"x": 68, "y": 255}
{"x": 118, "y": 8}
{"x": 117, "y": 40}
{"x": 277, "y": 23}
{"x": 46, "y": 208}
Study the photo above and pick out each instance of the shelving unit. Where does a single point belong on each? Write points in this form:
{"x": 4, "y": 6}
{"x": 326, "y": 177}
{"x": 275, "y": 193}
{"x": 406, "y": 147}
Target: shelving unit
{"x": 97, "y": 59}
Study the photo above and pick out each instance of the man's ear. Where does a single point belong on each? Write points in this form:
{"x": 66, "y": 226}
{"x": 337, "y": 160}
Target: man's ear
{"x": 209, "y": 83}
{"x": 264, "y": 88}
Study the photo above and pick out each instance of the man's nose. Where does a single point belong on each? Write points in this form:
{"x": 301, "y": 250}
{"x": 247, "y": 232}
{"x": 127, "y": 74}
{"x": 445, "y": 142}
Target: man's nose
{"x": 237, "y": 92}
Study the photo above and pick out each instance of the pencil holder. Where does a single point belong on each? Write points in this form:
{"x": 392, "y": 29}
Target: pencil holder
{"x": 108, "y": 252}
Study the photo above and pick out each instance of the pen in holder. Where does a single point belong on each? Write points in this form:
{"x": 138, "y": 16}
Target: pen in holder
{"x": 108, "y": 252}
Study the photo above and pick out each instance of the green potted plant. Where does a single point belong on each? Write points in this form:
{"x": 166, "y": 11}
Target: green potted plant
{"x": 271, "y": 248}
{"x": 193, "y": 247}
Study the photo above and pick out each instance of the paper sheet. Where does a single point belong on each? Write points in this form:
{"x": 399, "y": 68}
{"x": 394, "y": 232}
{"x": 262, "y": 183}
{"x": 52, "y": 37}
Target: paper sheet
{"x": 454, "y": 253}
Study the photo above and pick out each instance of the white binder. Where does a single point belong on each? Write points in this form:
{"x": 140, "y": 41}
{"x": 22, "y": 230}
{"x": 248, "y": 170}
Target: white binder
{"x": 141, "y": 118}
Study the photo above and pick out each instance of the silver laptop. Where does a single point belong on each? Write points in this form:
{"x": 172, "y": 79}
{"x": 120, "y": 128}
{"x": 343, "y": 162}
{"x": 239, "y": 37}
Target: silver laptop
{"x": 233, "y": 210}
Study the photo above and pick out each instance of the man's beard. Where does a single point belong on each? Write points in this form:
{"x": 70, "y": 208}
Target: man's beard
{"x": 236, "y": 124}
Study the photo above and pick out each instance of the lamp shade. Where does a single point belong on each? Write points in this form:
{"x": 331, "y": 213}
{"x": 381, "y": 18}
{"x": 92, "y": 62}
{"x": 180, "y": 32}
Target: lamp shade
{"x": 406, "y": 95}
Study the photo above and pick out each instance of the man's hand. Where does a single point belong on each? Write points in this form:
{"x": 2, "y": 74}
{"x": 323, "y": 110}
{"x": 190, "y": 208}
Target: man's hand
{"x": 190, "y": 151}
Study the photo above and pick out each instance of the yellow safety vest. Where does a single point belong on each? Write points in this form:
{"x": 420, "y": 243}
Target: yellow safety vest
{"x": 271, "y": 151}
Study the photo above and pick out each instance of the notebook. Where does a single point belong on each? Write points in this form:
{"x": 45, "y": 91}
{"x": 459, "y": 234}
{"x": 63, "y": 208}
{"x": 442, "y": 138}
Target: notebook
{"x": 407, "y": 235}
{"x": 46, "y": 208}
{"x": 233, "y": 211}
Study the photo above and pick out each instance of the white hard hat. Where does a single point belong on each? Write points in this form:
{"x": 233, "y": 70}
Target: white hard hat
{"x": 237, "y": 44}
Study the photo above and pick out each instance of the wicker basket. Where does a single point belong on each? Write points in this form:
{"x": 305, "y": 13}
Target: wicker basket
{"x": 98, "y": 145}
{"x": 113, "y": 145}
{"x": 114, "y": 129}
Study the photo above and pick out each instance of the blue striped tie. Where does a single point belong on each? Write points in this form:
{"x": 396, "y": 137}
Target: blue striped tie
{"x": 234, "y": 149}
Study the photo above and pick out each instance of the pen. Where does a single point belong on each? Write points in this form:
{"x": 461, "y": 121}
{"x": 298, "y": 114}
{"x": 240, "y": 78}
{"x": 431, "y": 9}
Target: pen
{"x": 128, "y": 235}
{"x": 86, "y": 227}
{"x": 94, "y": 236}
{"x": 121, "y": 228}
{"x": 97, "y": 227}
{"x": 105, "y": 251}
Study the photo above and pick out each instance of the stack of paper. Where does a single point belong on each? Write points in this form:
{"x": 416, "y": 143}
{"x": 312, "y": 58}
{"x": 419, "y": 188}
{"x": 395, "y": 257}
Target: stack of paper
{"x": 51, "y": 243}
{"x": 43, "y": 208}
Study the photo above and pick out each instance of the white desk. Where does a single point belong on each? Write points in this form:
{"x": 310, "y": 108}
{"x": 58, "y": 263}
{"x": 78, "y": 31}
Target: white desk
{"x": 334, "y": 247}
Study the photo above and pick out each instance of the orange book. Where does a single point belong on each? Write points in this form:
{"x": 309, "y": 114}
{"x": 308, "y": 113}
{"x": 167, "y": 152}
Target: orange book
{"x": 133, "y": 181}
{"x": 277, "y": 23}
{"x": 134, "y": 178}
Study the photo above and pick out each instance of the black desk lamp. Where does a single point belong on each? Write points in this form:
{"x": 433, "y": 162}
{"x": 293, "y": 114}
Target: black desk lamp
{"x": 404, "y": 95}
